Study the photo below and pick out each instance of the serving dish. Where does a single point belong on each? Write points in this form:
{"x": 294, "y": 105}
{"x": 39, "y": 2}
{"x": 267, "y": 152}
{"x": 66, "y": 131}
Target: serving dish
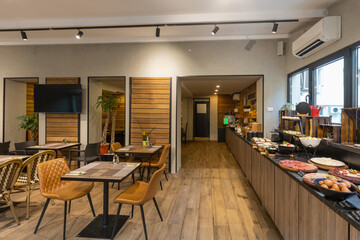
{"x": 333, "y": 194}
{"x": 310, "y": 141}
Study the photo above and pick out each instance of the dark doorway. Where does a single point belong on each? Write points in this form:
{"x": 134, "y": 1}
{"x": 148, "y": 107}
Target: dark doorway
{"x": 201, "y": 117}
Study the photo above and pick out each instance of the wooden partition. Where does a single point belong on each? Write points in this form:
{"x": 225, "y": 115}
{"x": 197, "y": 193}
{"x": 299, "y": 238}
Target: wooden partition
{"x": 225, "y": 104}
{"x": 30, "y": 98}
{"x": 150, "y": 108}
{"x": 62, "y": 125}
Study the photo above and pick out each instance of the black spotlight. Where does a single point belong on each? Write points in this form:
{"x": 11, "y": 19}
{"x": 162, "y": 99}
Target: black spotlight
{"x": 157, "y": 33}
{"x": 24, "y": 36}
{"x": 216, "y": 29}
{"x": 79, "y": 34}
{"x": 275, "y": 27}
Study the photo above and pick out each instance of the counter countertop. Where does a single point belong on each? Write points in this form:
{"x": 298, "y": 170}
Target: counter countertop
{"x": 345, "y": 214}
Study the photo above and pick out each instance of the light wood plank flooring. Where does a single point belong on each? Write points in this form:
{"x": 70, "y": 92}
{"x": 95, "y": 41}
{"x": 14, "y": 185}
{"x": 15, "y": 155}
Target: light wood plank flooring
{"x": 208, "y": 199}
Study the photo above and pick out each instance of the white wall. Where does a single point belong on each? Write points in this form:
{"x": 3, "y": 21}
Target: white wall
{"x": 350, "y": 18}
{"x": 15, "y": 105}
{"x": 95, "y": 114}
{"x": 149, "y": 60}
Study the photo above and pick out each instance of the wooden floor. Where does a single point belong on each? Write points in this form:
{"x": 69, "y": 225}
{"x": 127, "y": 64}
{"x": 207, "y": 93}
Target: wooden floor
{"x": 208, "y": 199}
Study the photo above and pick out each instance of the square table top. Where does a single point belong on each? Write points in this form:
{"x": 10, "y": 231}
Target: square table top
{"x": 103, "y": 172}
{"x": 53, "y": 146}
{"x": 133, "y": 149}
{"x": 4, "y": 158}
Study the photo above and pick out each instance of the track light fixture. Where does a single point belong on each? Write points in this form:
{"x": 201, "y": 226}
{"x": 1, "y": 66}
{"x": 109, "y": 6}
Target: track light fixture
{"x": 79, "y": 34}
{"x": 275, "y": 27}
{"x": 24, "y": 36}
{"x": 216, "y": 29}
{"x": 157, "y": 33}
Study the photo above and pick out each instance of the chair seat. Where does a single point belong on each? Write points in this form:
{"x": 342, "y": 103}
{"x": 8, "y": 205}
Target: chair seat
{"x": 152, "y": 164}
{"x": 133, "y": 195}
{"x": 70, "y": 191}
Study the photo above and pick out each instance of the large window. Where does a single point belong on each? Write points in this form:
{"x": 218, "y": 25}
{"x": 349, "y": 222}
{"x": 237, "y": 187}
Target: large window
{"x": 329, "y": 89}
{"x": 299, "y": 87}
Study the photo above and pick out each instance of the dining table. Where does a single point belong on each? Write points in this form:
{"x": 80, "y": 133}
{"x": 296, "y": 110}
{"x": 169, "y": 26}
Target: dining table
{"x": 140, "y": 152}
{"x": 105, "y": 172}
{"x": 53, "y": 146}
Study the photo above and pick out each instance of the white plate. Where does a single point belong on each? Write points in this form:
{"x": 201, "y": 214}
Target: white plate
{"x": 328, "y": 162}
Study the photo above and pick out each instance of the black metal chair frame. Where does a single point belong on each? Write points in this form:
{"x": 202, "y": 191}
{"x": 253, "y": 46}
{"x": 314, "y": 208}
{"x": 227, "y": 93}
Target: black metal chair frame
{"x": 85, "y": 153}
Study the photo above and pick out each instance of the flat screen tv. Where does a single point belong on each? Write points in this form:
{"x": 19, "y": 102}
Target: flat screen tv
{"x": 57, "y": 98}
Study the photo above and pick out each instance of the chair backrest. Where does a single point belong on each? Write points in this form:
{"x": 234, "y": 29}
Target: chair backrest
{"x": 115, "y": 146}
{"x": 31, "y": 163}
{"x": 9, "y": 171}
{"x": 92, "y": 149}
{"x": 50, "y": 173}
{"x": 154, "y": 184}
{"x": 4, "y": 148}
{"x": 20, "y": 145}
{"x": 164, "y": 155}
{"x": 30, "y": 143}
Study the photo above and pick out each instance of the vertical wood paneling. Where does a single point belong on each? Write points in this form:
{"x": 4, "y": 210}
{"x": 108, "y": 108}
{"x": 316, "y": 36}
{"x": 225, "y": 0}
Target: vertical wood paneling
{"x": 29, "y": 98}
{"x": 225, "y": 104}
{"x": 62, "y": 125}
{"x": 150, "y": 107}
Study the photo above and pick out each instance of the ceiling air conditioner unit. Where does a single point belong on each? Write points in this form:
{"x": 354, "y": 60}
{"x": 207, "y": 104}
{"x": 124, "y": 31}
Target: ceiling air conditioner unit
{"x": 322, "y": 34}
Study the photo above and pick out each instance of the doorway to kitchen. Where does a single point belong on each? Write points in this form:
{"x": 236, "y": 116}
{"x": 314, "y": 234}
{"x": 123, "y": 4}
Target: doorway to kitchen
{"x": 201, "y": 119}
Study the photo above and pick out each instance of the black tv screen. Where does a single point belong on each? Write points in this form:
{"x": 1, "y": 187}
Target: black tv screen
{"x": 57, "y": 98}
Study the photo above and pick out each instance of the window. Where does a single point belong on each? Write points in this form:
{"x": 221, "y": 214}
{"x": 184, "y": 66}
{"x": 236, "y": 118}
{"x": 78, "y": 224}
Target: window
{"x": 329, "y": 89}
{"x": 299, "y": 87}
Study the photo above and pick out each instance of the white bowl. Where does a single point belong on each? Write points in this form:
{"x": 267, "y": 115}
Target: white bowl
{"x": 310, "y": 142}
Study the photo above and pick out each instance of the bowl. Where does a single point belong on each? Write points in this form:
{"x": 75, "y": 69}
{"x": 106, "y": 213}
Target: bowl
{"x": 314, "y": 142}
{"x": 286, "y": 149}
{"x": 272, "y": 150}
{"x": 335, "y": 195}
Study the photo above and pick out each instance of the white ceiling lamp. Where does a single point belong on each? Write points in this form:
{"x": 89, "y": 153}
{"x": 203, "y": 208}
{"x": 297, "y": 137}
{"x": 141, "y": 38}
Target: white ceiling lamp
{"x": 79, "y": 34}
{"x": 217, "y": 86}
{"x": 215, "y": 93}
{"x": 216, "y": 90}
{"x": 215, "y": 30}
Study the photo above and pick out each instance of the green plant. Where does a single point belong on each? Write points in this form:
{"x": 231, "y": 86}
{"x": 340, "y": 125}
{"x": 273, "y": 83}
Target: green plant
{"x": 143, "y": 132}
{"x": 29, "y": 122}
{"x": 107, "y": 102}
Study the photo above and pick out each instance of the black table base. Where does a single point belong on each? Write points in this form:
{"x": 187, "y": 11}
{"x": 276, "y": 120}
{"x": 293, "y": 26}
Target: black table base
{"x": 95, "y": 229}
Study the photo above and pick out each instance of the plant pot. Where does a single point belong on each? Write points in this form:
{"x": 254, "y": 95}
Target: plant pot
{"x": 104, "y": 148}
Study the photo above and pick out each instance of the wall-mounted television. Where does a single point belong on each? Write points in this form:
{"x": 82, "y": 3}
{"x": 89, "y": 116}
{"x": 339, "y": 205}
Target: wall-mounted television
{"x": 57, "y": 98}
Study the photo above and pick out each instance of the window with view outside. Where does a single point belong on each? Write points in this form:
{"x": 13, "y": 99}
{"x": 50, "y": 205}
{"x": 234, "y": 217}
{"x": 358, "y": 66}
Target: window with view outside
{"x": 329, "y": 89}
{"x": 299, "y": 87}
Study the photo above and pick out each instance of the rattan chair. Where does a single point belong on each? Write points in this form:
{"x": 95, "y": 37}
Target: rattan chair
{"x": 52, "y": 187}
{"x": 139, "y": 194}
{"x": 157, "y": 164}
{"x": 29, "y": 177}
{"x": 9, "y": 170}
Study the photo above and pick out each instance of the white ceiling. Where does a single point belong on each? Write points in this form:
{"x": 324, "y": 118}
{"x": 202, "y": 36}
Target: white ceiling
{"x": 206, "y": 85}
{"x": 68, "y": 13}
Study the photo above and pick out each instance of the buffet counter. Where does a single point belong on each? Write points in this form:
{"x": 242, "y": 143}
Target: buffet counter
{"x": 298, "y": 210}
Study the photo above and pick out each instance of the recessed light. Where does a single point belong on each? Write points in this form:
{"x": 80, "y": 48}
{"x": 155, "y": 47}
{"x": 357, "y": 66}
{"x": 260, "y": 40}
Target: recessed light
{"x": 216, "y": 90}
{"x": 218, "y": 86}
{"x": 215, "y": 93}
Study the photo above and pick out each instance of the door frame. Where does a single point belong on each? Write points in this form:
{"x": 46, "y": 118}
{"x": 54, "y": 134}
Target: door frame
{"x": 207, "y": 101}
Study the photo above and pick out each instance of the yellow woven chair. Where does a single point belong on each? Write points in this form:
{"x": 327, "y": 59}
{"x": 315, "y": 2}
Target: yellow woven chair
{"x": 139, "y": 194}
{"x": 9, "y": 171}
{"x": 30, "y": 177}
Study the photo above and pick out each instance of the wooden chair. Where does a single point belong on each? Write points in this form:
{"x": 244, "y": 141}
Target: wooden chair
{"x": 52, "y": 187}
{"x": 157, "y": 164}
{"x": 139, "y": 194}
{"x": 9, "y": 171}
{"x": 91, "y": 153}
{"x": 30, "y": 177}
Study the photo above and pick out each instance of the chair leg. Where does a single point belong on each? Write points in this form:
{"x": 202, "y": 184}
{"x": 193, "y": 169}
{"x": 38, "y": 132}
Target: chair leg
{"x": 69, "y": 206}
{"x": 143, "y": 220}
{"x": 142, "y": 174}
{"x": 118, "y": 186}
{"x": 133, "y": 177}
{"x": 166, "y": 176}
{"x": 42, "y": 214}
{"x": 116, "y": 221}
{"x": 65, "y": 208}
{"x": 161, "y": 186}
{"x": 11, "y": 205}
{"x": 112, "y": 184}
{"x": 132, "y": 211}
{"x": 91, "y": 205}
{"x": 157, "y": 208}
{"x": 28, "y": 192}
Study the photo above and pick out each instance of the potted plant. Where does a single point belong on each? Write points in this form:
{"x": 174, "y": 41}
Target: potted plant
{"x": 107, "y": 102}
{"x": 145, "y": 135}
{"x": 30, "y": 124}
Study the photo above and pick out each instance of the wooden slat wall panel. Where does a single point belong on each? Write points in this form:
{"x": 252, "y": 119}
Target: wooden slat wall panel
{"x": 225, "y": 104}
{"x": 29, "y": 98}
{"x": 62, "y": 125}
{"x": 150, "y": 106}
